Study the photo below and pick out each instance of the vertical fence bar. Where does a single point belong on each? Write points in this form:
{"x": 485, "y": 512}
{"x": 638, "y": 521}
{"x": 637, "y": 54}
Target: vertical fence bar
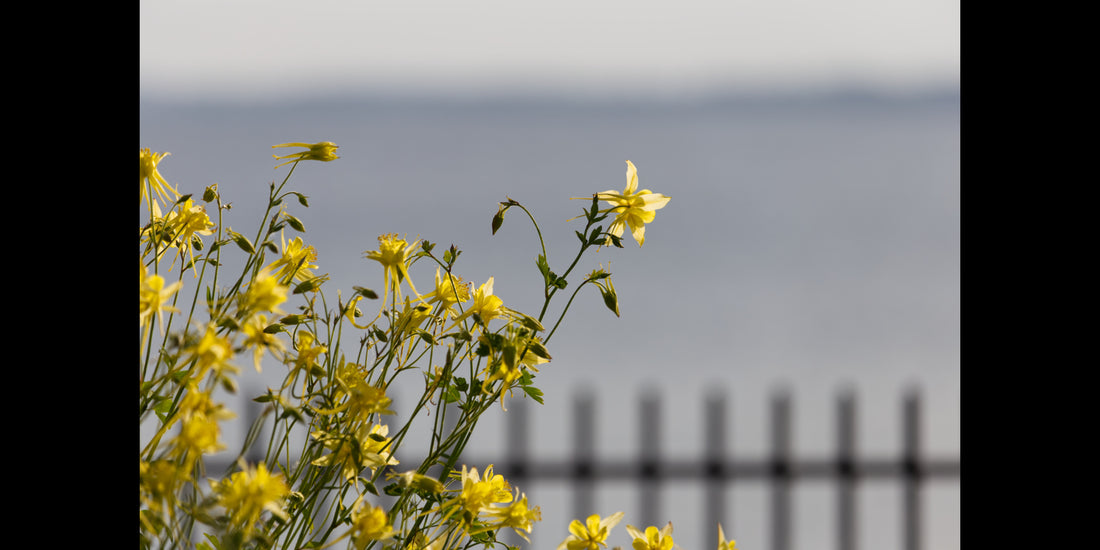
{"x": 846, "y": 475}
{"x": 649, "y": 445}
{"x": 517, "y": 426}
{"x": 911, "y": 470}
{"x": 584, "y": 442}
{"x": 781, "y": 470}
{"x": 714, "y": 502}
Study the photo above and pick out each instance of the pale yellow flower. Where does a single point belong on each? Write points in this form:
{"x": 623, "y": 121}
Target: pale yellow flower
{"x": 295, "y": 262}
{"x": 366, "y": 448}
{"x": 517, "y": 515}
{"x": 724, "y": 544}
{"x": 153, "y": 299}
{"x": 324, "y": 151}
{"x": 450, "y": 290}
{"x": 258, "y": 340}
{"x": 632, "y": 207}
{"x": 152, "y": 183}
{"x": 478, "y": 493}
{"x": 652, "y": 539}
{"x": 185, "y": 224}
{"x": 486, "y": 305}
{"x": 393, "y": 253}
{"x": 248, "y": 493}
{"x": 369, "y": 523}
{"x": 591, "y": 534}
{"x": 212, "y": 351}
{"x": 264, "y": 293}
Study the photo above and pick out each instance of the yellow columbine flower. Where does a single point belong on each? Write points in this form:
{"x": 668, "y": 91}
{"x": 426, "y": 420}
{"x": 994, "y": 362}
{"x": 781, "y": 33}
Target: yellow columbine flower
{"x": 153, "y": 299}
{"x": 516, "y": 515}
{"x": 723, "y": 544}
{"x": 295, "y": 262}
{"x": 151, "y": 178}
{"x": 369, "y": 523}
{"x": 248, "y": 493}
{"x": 632, "y": 207}
{"x": 393, "y": 253}
{"x": 591, "y": 534}
{"x": 324, "y": 151}
{"x": 212, "y": 351}
{"x": 486, "y": 305}
{"x": 259, "y": 340}
{"x": 353, "y": 453}
{"x": 478, "y": 493}
{"x": 264, "y": 294}
{"x": 449, "y": 291}
{"x": 652, "y": 539}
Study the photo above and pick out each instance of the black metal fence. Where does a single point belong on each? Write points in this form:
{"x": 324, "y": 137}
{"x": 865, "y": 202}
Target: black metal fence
{"x": 719, "y": 470}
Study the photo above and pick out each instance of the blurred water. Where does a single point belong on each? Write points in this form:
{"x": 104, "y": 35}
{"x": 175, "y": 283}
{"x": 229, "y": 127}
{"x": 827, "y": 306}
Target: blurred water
{"x": 810, "y": 242}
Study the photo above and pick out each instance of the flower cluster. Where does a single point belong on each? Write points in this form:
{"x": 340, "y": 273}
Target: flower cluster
{"x": 333, "y": 439}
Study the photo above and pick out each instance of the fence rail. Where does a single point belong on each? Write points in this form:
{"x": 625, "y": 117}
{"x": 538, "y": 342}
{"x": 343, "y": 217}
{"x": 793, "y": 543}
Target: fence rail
{"x": 719, "y": 470}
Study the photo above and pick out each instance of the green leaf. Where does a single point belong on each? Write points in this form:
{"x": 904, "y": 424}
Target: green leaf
{"x": 534, "y": 393}
{"x": 580, "y": 236}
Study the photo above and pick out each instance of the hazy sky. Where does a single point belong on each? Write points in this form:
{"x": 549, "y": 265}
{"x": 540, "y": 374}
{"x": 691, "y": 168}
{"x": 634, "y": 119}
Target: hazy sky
{"x": 283, "y": 47}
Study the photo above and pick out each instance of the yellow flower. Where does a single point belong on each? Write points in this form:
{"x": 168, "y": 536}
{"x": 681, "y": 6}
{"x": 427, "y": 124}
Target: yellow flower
{"x": 307, "y": 352}
{"x": 632, "y": 207}
{"x": 212, "y": 351}
{"x": 152, "y": 183}
{"x": 591, "y": 534}
{"x": 369, "y": 523}
{"x": 393, "y": 253}
{"x": 264, "y": 294}
{"x": 295, "y": 262}
{"x": 449, "y": 291}
{"x": 153, "y": 298}
{"x": 248, "y": 493}
{"x": 478, "y": 493}
{"x": 324, "y": 151}
{"x": 723, "y": 544}
{"x": 486, "y": 305}
{"x": 160, "y": 480}
{"x": 355, "y": 452}
{"x": 516, "y": 515}
{"x": 258, "y": 340}
{"x": 652, "y": 539}
{"x": 185, "y": 225}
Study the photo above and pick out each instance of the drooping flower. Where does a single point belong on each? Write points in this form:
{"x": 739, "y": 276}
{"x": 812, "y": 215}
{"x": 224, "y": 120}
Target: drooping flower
{"x": 724, "y": 544}
{"x": 152, "y": 183}
{"x": 324, "y": 151}
{"x": 248, "y": 493}
{"x": 632, "y": 207}
{"x": 652, "y": 539}
{"x": 591, "y": 534}
{"x": 307, "y": 352}
{"x": 369, "y": 523}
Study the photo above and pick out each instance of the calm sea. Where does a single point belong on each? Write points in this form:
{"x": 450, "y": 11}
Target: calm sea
{"x": 811, "y": 243}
